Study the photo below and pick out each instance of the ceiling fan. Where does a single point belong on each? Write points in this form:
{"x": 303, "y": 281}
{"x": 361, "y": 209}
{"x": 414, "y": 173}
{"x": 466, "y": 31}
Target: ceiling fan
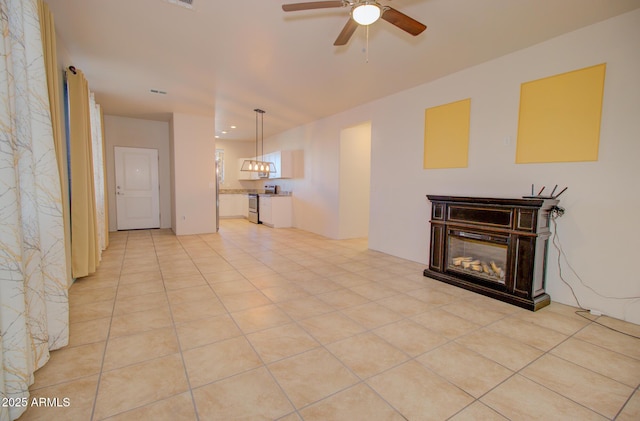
{"x": 363, "y": 12}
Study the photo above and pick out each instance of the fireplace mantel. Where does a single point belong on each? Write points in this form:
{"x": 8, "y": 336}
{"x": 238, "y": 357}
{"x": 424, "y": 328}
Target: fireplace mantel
{"x": 493, "y": 246}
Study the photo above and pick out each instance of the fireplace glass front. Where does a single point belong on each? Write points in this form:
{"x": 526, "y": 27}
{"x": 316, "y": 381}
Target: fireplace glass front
{"x": 477, "y": 254}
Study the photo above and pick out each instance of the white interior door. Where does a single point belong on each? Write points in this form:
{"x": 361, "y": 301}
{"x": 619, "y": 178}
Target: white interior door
{"x": 137, "y": 188}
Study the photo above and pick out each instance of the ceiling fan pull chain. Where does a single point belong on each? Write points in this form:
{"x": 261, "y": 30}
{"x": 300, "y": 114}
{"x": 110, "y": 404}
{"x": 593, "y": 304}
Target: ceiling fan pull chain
{"x": 367, "y": 47}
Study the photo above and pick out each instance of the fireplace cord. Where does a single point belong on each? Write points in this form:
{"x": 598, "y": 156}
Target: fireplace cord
{"x": 556, "y": 243}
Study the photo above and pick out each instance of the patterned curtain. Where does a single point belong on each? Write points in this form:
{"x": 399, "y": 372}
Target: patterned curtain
{"x": 33, "y": 286}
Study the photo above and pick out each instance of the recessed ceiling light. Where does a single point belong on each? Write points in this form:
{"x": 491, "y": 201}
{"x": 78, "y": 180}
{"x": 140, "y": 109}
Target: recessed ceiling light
{"x": 233, "y": 127}
{"x": 224, "y": 132}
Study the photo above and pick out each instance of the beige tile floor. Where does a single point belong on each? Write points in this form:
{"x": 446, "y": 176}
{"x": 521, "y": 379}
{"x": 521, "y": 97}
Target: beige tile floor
{"x": 257, "y": 323}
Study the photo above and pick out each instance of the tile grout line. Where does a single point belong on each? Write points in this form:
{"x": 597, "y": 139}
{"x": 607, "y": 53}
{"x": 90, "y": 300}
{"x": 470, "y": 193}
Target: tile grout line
{"x": 106, "y": 342}
{"x": 175, "y": 333}
{"x": 519, "y": 372}
{"x": 314, "y": 246}
{"x": 636, "y": 390}
{"x": 361, "y": 380}
{"x": 244, "y": 335}
{"x": 264, "y": 364}
{"x": 320, "y": 345}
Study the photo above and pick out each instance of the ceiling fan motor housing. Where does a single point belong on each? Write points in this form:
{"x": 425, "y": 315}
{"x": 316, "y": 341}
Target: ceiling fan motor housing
{"x": 366, "y": 12}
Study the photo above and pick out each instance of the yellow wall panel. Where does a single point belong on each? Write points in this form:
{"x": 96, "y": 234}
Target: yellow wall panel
{"x": 446, "y": 135}
{"x": 560, "y": 117}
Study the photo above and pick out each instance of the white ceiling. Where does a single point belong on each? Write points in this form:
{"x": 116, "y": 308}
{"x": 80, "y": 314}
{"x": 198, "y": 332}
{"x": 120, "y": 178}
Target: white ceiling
{"x": 225, "y": 58}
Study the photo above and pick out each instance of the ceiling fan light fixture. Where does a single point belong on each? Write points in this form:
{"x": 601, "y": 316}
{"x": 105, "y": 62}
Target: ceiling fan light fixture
{"x": 366, "y": 13}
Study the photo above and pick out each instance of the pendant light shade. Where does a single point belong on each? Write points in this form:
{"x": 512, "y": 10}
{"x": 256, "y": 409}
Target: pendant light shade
{"x": 259, "y": 165}
{"x": 366, "y": 13}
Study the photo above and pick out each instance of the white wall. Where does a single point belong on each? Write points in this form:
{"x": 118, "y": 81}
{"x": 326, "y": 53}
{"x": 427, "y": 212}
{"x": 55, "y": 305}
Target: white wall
{"x": 193, "y": 155}
{"x": 316, "y": 188}
{"x": 355, "y": 177}
{"x": 600, "y": 231}
{"x": 137, "y": 133}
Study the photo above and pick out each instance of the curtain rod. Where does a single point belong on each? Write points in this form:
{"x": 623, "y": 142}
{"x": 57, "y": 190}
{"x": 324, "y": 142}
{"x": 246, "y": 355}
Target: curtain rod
{"x": 73, "y": 70}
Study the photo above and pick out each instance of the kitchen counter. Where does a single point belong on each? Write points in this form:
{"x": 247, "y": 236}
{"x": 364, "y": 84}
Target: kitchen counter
{"x": 283, "y": 194}
{"x": 238, "y": 191}
{"x": 254, "y": 191}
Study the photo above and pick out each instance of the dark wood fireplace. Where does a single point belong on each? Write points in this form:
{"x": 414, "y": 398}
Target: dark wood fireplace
{"x": 493, "y": 246}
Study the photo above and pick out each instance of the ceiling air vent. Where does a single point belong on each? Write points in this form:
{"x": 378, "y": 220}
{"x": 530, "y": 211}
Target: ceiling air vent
{"x": 184, "y": 3}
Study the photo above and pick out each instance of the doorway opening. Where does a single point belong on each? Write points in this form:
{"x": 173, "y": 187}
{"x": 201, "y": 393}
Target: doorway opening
{"x": 354, "y": 181}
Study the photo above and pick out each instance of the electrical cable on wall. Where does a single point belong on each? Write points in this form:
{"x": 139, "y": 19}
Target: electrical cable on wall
{"x": 557, "y": 212}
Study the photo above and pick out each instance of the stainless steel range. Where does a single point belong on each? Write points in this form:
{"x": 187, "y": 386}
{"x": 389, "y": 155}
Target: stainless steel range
{"x": 254, "y": 203}
{"x": 254, "y": 208}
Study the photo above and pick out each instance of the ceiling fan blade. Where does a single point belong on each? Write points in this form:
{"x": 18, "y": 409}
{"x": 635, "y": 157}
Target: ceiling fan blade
{"x": 293, "y": 7}
{"x": 402, "y": 21}
{"x": 346, "y": 33}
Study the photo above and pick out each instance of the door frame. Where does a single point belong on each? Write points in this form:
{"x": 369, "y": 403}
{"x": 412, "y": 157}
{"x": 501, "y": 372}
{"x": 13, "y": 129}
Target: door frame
{"x": 155, "y": 188}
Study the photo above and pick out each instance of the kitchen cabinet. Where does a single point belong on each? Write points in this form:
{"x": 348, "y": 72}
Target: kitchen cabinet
{"x": 283, "y": 161}
{"x": 265, "y": 206}
{"x": 233, "y": 205}
{"x": 275, "y": 211}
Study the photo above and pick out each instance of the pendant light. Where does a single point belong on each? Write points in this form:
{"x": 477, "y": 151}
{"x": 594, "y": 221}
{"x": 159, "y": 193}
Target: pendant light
{"x": 255, "y": 165}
